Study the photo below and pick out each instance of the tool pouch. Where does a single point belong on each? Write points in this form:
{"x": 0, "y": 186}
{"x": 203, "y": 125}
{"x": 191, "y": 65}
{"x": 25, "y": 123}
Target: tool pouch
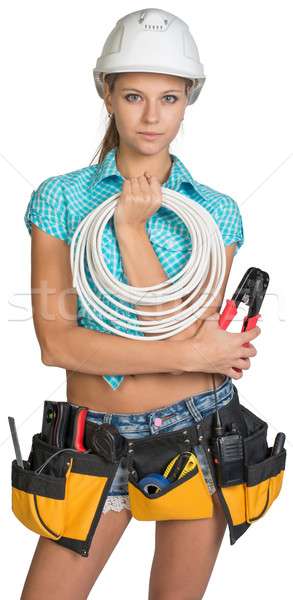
{"x": 60, "y": 494}
{"x": 186, "y": 498}
{"x": 246, "y": 503}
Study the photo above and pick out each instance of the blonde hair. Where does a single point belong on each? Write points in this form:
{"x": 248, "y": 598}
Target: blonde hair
{"x": 111, "y": 137}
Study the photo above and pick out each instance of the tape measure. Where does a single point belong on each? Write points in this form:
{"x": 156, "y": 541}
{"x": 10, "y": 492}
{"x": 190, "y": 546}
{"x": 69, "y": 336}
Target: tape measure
{"x": 180, "y": 466}
{"x": 177, "y": 468}
{"x": 153, "y": 483}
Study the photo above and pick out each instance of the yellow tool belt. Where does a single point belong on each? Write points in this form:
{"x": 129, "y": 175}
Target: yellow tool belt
{"x": 60, "y": 494}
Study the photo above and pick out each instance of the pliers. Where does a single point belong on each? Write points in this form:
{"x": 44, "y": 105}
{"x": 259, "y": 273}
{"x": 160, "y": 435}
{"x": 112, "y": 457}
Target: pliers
{"x": 251, "y": 291}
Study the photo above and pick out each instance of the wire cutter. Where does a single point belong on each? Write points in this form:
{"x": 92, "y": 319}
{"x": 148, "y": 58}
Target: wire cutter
{"x": 251, "y": 291}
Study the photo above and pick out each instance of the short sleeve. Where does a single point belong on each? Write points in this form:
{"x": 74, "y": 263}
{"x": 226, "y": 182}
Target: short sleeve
{"x": 47, "y": 209}
{"x": 229, "y": 220}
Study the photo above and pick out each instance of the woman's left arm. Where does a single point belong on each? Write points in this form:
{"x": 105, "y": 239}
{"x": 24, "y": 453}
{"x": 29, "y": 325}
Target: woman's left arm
{"x": 140, "y": 198}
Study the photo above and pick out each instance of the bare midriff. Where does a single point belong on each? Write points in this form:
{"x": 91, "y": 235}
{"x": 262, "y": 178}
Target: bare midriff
{"x": 136, "y": 393}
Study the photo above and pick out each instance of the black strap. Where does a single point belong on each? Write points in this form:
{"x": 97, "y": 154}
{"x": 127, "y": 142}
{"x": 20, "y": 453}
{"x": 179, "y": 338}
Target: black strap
{"x": 204, "y": 428}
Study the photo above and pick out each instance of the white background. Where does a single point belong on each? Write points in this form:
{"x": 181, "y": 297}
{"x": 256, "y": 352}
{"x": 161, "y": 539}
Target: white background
{"x": 237, "y": 139}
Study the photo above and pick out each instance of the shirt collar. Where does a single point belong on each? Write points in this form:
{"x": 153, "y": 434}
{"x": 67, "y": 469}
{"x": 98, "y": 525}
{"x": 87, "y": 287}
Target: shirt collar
{"x": 178, "y": 175}
{"x": 107, "y": 168}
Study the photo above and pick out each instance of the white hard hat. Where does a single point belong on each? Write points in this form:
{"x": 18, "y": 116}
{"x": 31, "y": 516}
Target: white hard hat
{"x": 151, "y": 41}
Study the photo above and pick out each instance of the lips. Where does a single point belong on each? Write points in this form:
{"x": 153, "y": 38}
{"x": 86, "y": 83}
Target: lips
{"x": 149, "y": 135}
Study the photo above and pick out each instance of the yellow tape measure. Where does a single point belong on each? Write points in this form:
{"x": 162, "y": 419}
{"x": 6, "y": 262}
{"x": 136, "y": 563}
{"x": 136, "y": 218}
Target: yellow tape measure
{"x": 180, "y": 466}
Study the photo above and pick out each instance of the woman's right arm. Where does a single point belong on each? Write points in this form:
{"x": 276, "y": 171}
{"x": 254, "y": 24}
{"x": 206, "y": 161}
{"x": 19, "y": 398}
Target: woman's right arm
{"x": 64, "y": 344}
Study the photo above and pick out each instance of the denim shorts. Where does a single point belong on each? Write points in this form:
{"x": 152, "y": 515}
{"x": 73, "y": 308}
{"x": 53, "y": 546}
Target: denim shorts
{"x": 184, "y": 413}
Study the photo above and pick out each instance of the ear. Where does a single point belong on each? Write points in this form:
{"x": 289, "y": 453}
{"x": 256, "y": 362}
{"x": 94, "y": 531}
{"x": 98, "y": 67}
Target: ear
{"x": 108, "y": 98}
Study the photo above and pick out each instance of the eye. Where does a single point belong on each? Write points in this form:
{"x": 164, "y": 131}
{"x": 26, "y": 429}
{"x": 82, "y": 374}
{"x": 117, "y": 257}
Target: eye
{"x": 170, "y": 99}
{"x": 132, "y": 97}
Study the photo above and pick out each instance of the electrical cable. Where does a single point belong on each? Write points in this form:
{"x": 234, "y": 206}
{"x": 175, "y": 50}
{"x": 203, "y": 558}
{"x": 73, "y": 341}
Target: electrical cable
{"x": 218, "y": 426}
{"x": 205, "y": 267}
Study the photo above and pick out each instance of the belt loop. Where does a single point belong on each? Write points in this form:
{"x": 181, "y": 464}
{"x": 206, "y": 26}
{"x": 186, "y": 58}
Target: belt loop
{"x": 192, "y": 409}
{"x": 107, "y": 418}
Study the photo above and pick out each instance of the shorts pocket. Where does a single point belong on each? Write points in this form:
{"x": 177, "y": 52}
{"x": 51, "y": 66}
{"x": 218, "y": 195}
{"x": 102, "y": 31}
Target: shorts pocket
{"x": 264, "y": 482}
{"x": 60, "y": 494}
{"x": 186, "y": 498}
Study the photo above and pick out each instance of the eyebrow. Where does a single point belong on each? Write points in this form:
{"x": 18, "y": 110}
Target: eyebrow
{"x": 141, "y": 92}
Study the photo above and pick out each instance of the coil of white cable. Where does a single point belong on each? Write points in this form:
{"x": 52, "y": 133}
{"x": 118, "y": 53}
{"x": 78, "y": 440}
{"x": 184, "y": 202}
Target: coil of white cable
{"x": 207, "y": 258}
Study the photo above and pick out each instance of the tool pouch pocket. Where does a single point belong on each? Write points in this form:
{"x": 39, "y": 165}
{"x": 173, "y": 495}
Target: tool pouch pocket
{"x": 251, "y": 500}
{"x": 38, "y": 501}
{"x": 61, "y": 494}
{"x": 186, "y": 498}
{"x": 263, "y": 485}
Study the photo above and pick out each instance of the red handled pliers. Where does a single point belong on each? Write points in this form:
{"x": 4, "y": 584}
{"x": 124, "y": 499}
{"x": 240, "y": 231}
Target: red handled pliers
{"x": 251, "y": 291}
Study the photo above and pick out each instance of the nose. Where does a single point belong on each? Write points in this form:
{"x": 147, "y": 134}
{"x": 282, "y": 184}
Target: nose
{"x": 151, "y": 112}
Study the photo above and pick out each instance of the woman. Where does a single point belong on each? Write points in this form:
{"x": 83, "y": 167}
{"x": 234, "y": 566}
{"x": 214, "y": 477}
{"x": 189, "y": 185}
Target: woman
{"x": 167, "y": 383}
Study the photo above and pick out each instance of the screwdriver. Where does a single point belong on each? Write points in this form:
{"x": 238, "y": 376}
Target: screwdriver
{"x": 278, "y": 444}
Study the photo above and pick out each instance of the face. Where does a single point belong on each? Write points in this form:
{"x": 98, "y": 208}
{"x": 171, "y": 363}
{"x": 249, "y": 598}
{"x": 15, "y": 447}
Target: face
{"x": 148, "y": 109}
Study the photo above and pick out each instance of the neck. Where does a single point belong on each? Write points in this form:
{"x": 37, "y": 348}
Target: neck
{"x": 130, "y": 163}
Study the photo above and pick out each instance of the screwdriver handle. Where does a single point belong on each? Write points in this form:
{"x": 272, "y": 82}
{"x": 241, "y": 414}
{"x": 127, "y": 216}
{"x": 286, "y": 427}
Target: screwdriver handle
{"x": 279, "y": 444}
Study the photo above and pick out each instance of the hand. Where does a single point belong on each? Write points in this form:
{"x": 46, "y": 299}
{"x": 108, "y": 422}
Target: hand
{"x": 140, "y": 198}
{"x": 220, "y": 351}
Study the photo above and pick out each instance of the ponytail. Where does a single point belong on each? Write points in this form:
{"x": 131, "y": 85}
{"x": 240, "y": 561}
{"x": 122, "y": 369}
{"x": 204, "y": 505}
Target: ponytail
{"x": 111, "y": 137}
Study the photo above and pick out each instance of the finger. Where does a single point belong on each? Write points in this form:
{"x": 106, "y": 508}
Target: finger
{"x": 247, "y": 336}
{"x": 155, "y": 185}
{"x": 249, "y": 352}
{"x": 126, "y": 186}
{"x": 135, "y": 188}
{"x": 125, "y": 192}
{"x": 243, "y": 363}
{"x": 234, "y": 374}
{"x": 144, "y": 186}
{"x": 156, "y": 191}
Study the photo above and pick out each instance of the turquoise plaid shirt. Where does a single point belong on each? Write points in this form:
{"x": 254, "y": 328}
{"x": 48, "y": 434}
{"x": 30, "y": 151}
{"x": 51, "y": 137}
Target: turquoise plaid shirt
{"x": 60, "y": 203}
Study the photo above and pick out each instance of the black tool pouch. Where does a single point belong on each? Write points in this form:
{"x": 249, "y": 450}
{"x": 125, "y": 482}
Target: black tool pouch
{"x": 186, "y": 498}
{"x": 60, "y": 494}
{"x": 247, "y": 502}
